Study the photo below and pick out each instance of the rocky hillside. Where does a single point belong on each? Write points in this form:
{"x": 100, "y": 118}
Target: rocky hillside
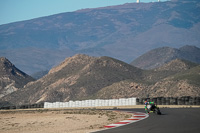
{"x": 11, "y": 78}
{"x": 168, "y": 69}
{"x": 85, "y": 77}
{"x": 175, "y": 79}
{"x": 78, "y": 77}
{"x": 123, "y": 32}
{"x": 181, "y": 84}
{"x": 160, "y": 56}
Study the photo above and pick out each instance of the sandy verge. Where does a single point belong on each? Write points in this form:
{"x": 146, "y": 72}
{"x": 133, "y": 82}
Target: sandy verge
{"x": 57, "y": 121}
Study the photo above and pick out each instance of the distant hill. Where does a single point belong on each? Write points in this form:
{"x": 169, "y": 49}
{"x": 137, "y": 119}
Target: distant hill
{"x": 192, "y": 76}
{"x": 171, "y": 68}
{"x": 177, "y": 65}
{"x": 180, "y": 84}
{"x": 11, "y": 78}
{"x": 123, "y": 32}
{"x": 160, "y": 56}
{"x": 174, "y": 79}
{"x": 85, "y": 77}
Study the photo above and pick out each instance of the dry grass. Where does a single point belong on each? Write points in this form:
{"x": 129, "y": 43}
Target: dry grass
{"x": 57, "y": 121}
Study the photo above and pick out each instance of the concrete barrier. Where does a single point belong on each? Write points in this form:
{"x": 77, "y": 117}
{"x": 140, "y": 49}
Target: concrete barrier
{"x": 92, "y": 103}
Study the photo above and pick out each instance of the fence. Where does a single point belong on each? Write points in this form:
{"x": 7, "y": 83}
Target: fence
{"x": 39, "y": 105}
{"x": 187, "y": 100}
{"x": 92, "y": 103}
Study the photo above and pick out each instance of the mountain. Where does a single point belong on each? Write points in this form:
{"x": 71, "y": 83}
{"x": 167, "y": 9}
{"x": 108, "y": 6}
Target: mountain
{"x": 84, "y": 77}
{"x": 159, "y": 56}
{"x": 123, "y": 32}
{"x": 76, "y": 78}
{"x": 11, "y": 78}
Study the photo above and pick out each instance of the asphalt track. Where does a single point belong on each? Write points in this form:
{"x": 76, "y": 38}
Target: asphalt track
{"x": 177, "y": 120}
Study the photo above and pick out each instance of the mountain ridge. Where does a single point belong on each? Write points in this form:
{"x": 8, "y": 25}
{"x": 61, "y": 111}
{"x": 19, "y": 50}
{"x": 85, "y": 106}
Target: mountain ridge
{"x": 75, "y": 78}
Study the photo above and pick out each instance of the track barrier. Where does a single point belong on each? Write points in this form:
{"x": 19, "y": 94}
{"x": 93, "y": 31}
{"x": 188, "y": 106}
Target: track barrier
{"x": 39, "y": 105}
{"x": 92, "y": 103}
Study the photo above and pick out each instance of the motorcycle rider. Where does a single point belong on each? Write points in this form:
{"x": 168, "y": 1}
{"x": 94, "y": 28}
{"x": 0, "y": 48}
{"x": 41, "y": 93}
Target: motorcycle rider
{"x": 149, "y": 106}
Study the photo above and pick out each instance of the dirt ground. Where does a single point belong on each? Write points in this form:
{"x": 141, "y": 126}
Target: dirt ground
{"x": 57, "y": 121}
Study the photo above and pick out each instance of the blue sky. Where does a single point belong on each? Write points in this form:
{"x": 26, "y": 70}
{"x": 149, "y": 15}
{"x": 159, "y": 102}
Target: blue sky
{"x": 18, "y": 10}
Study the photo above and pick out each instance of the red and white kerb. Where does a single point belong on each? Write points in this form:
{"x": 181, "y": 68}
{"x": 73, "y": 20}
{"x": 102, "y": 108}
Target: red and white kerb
{"x": 137, "y": 116}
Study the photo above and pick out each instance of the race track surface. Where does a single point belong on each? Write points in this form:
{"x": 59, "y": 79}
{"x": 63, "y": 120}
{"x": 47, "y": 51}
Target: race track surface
{"x": 182, "y": 120}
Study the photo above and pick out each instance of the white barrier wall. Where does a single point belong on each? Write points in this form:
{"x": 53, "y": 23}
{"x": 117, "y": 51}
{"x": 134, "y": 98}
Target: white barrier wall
{"x": 92, "y": 103}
